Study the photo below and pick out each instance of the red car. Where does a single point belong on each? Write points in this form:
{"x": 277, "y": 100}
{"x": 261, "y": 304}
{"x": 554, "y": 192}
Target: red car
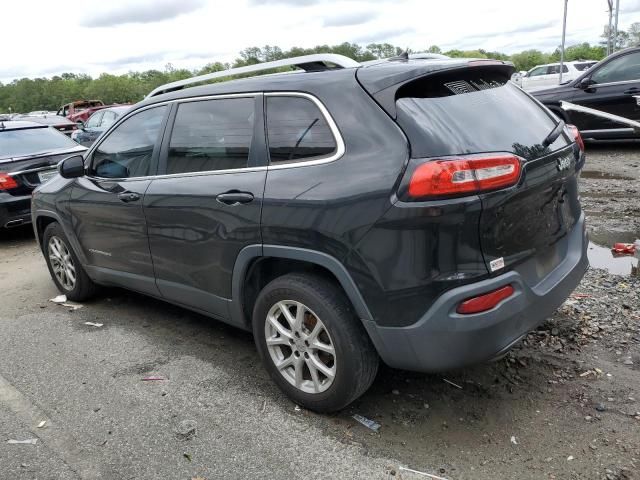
{"x": 80, "y": 110}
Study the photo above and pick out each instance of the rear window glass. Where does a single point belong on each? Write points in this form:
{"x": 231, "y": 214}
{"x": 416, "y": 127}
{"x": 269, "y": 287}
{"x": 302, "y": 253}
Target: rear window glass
{"x": 19, "y": 143}
{"x": 297, "y": 130}
{"x": 472, "y": 111}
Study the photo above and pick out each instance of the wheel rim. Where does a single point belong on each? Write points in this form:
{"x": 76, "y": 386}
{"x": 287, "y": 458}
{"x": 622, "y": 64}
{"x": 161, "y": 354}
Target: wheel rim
{"x": 61, "y": 263}
{"x": 300, "y": 346}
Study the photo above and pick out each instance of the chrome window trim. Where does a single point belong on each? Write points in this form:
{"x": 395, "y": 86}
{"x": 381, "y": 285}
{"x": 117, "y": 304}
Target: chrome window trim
{"x": 33, "y": 170}
{"x": 340, "y": 146}
{"x": 597, "y": 85}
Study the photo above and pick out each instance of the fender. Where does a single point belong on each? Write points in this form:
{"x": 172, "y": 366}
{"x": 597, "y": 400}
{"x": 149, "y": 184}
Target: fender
{"x": 75, "y": 244}
{"x": 251, "y": 252}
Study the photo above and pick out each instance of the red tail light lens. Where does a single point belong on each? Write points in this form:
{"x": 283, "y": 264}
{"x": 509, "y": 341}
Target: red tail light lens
{"x": 486, "y": 301}
{"x": 576, "y": 135}
{"x": 464, "y": 176}
{"x": 7, "y": 182}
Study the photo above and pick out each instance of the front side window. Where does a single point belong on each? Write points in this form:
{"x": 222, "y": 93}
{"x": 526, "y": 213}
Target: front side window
{"x": 211, "y": 135}
{"x": 538, "y": 71}
{"x": 620, "y": 69}
{"x": 126, "y": 152}
{"x": 94, "y": 120}
{"x": 107, "y": 119}
{"x": 297, "y": 130}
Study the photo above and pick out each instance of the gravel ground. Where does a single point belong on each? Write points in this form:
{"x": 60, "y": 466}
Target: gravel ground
{"x": 564, "y": 404}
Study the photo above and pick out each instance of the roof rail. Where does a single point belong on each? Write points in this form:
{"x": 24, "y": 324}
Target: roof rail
{"x": 308, "y": 63}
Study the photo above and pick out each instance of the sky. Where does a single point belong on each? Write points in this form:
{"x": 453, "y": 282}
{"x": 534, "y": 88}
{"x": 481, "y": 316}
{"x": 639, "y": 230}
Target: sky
{"x": 47, "y": 37}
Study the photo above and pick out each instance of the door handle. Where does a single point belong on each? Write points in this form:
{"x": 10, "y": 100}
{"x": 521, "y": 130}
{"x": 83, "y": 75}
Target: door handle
{"x": 235, "y": 198}
{"x": 127, "y": 197}
{"x": 631, "y": 91}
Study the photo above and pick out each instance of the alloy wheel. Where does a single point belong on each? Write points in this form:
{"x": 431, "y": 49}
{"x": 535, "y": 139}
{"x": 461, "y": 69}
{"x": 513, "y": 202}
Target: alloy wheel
{"x": 300, "y": 346}
{"x": 61, "y": 263}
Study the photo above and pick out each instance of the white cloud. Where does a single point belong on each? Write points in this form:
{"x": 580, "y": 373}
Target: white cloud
{"x": 97, "y": 36}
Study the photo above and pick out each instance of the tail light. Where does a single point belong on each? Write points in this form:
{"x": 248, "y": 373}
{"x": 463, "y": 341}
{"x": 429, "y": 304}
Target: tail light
{"x": 576, "y": 136}
{"x": 464, "y": 176}
{"x": 486, "y": 301}
{"x": 7, "y": 182}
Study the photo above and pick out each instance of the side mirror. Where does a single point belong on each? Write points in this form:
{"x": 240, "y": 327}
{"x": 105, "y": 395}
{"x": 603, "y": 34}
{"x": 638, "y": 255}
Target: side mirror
{"x": 72, "y": 167}
{"x": 585, "y": 83}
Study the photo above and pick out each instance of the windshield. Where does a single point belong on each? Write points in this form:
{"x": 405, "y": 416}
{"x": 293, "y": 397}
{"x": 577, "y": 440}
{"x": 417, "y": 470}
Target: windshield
{"x": 31, "y": 141}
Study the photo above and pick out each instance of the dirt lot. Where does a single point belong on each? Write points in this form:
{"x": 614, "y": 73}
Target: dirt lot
{"x": 564, "y": 404}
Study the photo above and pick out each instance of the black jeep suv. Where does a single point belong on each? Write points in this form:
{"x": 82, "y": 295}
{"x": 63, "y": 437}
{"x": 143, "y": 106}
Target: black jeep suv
{"x": 422, "y": 212}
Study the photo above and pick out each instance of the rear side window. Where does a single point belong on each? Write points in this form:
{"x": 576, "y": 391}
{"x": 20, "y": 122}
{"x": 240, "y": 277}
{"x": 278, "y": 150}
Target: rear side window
{"x": 128, "y": 149}
{"x": 297, "y": 131}
{"x": 211, "y": 135}
{"x": 472, "y": 111}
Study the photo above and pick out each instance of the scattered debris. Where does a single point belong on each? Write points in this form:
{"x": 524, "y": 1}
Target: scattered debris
{"x": 186, "y": 429}
{"x": 623, "y": 249}
{"x": 569, "y": 458}
{"x": 94, "y": 324}
{"x": 417, "y": 472}
{"x": 370, "y": 424}
{"x": 264, "y": 406}
{"x": 187, "y": 456}
{"x": 395, "y": 392}
{"x": 297, "y": 408}
{"x": 514, "y": 440}
{"x": 42, "y": 424}
{"x": 72, "y": 306}
{"x": 59, "y": 299}
{"x": 153, "y": 379}
{"x": 30, "y": 441}
{"x": 451, "y": 383}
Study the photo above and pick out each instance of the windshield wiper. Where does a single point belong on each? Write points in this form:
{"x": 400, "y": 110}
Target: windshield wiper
{"x": 554, "y": 134}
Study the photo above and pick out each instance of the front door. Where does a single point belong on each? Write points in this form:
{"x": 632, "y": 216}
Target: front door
{"x": 205, "y": 205}
{"x": 614, "y": 85}
{"x": 107, "y": 204}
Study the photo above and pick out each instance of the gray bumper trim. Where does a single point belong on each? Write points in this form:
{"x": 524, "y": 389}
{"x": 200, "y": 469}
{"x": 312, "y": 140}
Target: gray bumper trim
{"x": 443, "y": 339}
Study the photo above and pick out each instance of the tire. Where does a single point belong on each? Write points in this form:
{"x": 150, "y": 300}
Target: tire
{"x": 82, "y": 286}
{"x": 354, "y": 362}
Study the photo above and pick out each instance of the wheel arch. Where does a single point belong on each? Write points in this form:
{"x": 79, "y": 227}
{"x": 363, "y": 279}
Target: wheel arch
{"x": 292, "y": 258}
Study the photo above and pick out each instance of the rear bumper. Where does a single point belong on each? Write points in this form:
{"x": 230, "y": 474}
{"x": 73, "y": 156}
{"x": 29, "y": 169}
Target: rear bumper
{"x": 14, "y": 211}
{"x": 443, "y": 339}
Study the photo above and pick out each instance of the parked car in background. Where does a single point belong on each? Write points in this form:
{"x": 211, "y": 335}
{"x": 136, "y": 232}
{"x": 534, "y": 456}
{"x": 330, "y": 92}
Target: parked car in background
{"x": 544, "y": 76}
{"x": 609, "y": 86}
{"x": 81, "y": 110}
{"x": 98, "y": 123}
{"x": 63, "y": 124}
{"x": 40, "y": 113}
{"x": 29, "y": 154}
{"x": 269, "y": 203}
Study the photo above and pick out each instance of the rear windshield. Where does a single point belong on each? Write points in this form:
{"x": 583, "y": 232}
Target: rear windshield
{"x": 473, "y": 111}
{"x": 32, "y": 141}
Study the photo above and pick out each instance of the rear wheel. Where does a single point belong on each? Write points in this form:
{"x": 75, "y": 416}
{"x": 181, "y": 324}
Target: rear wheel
{"x": 64, "y": 267}
{"x": 311, "y": 343}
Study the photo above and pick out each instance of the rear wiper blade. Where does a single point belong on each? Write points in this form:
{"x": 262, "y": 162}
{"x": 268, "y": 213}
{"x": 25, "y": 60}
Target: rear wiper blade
{"x": 555, "y": 133}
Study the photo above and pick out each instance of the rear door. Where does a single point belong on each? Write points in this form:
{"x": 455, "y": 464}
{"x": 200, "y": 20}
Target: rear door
{"x": 106, "y": 204}
{"x": 205, "y": 206}
{"x": 615, "y": 85}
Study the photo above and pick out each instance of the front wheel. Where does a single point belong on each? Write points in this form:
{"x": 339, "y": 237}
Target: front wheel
{"x": 64, "y": 266}
{"x": 311, "y": 342}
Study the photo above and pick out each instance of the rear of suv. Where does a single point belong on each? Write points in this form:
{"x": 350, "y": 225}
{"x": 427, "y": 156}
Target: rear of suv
{"x": 422, "y": 212}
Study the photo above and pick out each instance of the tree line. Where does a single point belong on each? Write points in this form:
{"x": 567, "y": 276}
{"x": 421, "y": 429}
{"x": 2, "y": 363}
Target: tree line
{"x": 26, "y": 94}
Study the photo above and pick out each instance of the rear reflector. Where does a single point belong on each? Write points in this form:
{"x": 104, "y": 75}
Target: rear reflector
{"x": 576, "y": 136}
{"x": 486, "y": 301}
{"x": 7, "y": 182}
{"x": 464, "y": 176}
